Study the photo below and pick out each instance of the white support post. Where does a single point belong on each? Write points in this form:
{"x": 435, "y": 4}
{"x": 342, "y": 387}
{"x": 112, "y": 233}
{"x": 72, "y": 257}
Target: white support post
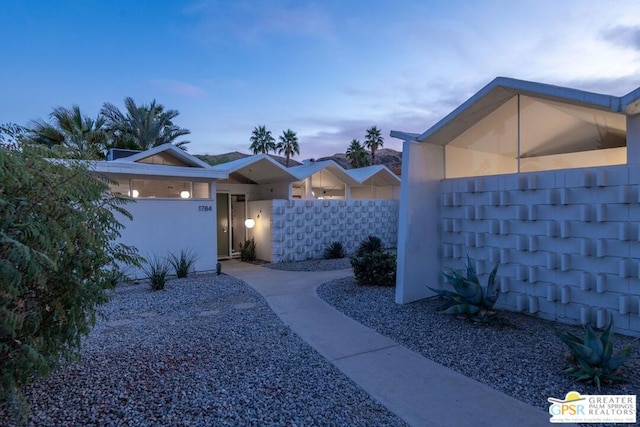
{"x": 419, "y": 254}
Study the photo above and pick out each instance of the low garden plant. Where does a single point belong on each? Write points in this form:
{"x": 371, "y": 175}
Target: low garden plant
{"x": 248, "y": 250}
{"x": 183, "y": 263}
{"x": 157, "y": 272}
{"x": 372, "y": 265}
{"x": 469, "y": 298}
{"x": 592, "y": 357}
{"x": 334, "y": 250}
{"x": 369, "y": 244}
{"x": 375, "y": 268}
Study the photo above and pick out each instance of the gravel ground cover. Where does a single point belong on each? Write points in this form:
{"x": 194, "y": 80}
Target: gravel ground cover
{"x": 206, "y": 351}
{"x": 312, "y": 265}
{"x": 520, "y": 355}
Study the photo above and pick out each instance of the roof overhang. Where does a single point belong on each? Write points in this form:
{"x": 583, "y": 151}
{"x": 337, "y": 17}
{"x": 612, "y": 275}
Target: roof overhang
{"x": 146, "y": 169}
{"x": 500, "y": 90}
{"x": 169, "y": 148}
{"x": 260, "y": 169}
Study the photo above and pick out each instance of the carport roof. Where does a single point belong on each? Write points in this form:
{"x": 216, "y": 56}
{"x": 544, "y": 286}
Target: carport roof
{"x": 500, "y": 90}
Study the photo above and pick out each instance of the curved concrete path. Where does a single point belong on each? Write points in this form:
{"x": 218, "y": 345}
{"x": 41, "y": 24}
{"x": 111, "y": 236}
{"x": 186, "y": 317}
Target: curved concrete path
{"x": 418, "y": 390}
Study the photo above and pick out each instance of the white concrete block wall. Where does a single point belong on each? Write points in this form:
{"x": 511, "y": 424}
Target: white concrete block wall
{"x": 568, "y": 242}
{"x": 301, "y": 229}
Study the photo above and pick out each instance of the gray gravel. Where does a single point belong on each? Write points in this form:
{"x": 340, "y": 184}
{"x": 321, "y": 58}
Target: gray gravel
{"x": 519, "y": 355}
{"x": 312, "y": 265}
{"x": 206, "y": 351}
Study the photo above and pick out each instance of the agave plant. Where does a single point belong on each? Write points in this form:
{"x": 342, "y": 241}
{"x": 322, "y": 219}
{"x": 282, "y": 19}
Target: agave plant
{"x": 592, "y": 357}
{"x": 469, "y": 298}
{"x": 334, "y": 250}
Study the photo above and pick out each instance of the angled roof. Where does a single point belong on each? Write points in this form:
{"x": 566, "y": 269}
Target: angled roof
{"x": 379, "y": 174}
{"x": 308, "y": 169}
{"x": 500, "y": 90}
{"x": 259, "y": 168}
{"x": 170, "y": 149}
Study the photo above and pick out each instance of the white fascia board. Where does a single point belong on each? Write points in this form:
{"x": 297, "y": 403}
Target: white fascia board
{"x": 405, "y": 136}
{"x": 132, "y": 168}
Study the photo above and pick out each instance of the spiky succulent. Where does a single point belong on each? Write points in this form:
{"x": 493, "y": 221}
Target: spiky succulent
{"x": 469, "y": 298}
{"x": 334, "y": 250}
{"x": 592, "y": 357}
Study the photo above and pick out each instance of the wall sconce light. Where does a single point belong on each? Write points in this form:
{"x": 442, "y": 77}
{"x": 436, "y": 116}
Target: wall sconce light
{"x": 185, "y": 194}
{"x": 249, "y": 222}
{"x": 135, "y": 193}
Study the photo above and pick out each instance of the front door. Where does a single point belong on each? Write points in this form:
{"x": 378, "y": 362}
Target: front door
{"x": 231, "y": 214}
{"x": 222, "y": 218}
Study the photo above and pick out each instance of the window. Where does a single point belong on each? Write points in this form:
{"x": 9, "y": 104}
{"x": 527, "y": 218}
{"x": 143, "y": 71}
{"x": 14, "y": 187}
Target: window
{"x": 158, "y": 188}
{"x": 527, "y": 134}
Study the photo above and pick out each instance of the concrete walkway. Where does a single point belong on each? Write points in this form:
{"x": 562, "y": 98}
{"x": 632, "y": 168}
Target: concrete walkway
{"x": 418, "y": 390}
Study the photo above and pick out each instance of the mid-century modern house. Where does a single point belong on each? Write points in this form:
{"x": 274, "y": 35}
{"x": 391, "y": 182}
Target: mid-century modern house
{"x": 182, "y": 202}
{"x": 544, "y": 181}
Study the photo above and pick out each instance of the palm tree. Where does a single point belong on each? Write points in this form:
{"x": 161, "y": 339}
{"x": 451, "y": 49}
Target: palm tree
{"x": 288, "y": 145}
{"x": 373, "y": 141}
{"x": 85, "y": 137}
{"x": 262, "y": 141}
{"x": 357, "y": 155}
{"x": 142, "y": 127}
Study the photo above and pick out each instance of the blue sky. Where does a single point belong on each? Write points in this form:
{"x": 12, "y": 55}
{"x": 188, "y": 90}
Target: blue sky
{"x": 327, "y": 69}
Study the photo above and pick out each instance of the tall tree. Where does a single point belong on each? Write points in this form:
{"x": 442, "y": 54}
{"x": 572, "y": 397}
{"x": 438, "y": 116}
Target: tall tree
{"x": 58, "y": 252}
{"x": 262, "y": 141}
{"x": 357, "y": 155}
{"x": 142, "y": 127}
{"x": 288, "y": 145}
{"x": 84, "y": 136}
{"x": 373, "y": 141}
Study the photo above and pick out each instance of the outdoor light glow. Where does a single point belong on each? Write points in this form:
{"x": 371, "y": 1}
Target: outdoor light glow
{"x": 249, "y": 222}
{"x": 185, "y": 194}
{"x": 135, "y": 193}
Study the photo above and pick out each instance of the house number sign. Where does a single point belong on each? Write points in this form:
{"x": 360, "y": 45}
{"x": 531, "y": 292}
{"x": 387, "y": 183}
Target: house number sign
{"x": 205, "y": 208}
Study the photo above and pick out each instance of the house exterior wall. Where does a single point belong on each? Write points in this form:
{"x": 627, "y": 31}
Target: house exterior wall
{"x": 160, "y": 227}
{"x": 261, "y": 212}
{"x": 378, "y": 192}
{"x": 301, "y": 229}
{"x": 567, "y": 241}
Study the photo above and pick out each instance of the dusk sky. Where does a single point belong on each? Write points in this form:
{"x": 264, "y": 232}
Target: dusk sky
{"x": 327, "y": 69}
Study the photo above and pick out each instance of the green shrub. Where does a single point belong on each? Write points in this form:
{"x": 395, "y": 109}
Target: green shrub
{"x": 183, "y": 264}
{"x": 157, "y": 272}
{"x": 369, "y": 244}
{"x": 116, "y": 276}
{"x": 58, "y": 228}
{"x": 375, "y": 268}
{"x": 248, "y": 250}
{"x": 469, "y": 298}
{"x": 592, "y": 357}
{"x": 334, "y": 250}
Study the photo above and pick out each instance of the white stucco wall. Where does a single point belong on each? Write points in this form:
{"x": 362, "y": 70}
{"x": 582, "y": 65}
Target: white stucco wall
{"x": 163, "y": 226}
{"x": 301, "y": 229}
{"x": 567, "y": 242}
{"x": 261, "y": 212}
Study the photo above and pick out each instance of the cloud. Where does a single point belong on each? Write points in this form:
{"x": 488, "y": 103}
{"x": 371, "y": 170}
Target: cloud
{"x": 624, "y": 36}
{"x": 177, "y": 87}
{"x": 252, "y": 22}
